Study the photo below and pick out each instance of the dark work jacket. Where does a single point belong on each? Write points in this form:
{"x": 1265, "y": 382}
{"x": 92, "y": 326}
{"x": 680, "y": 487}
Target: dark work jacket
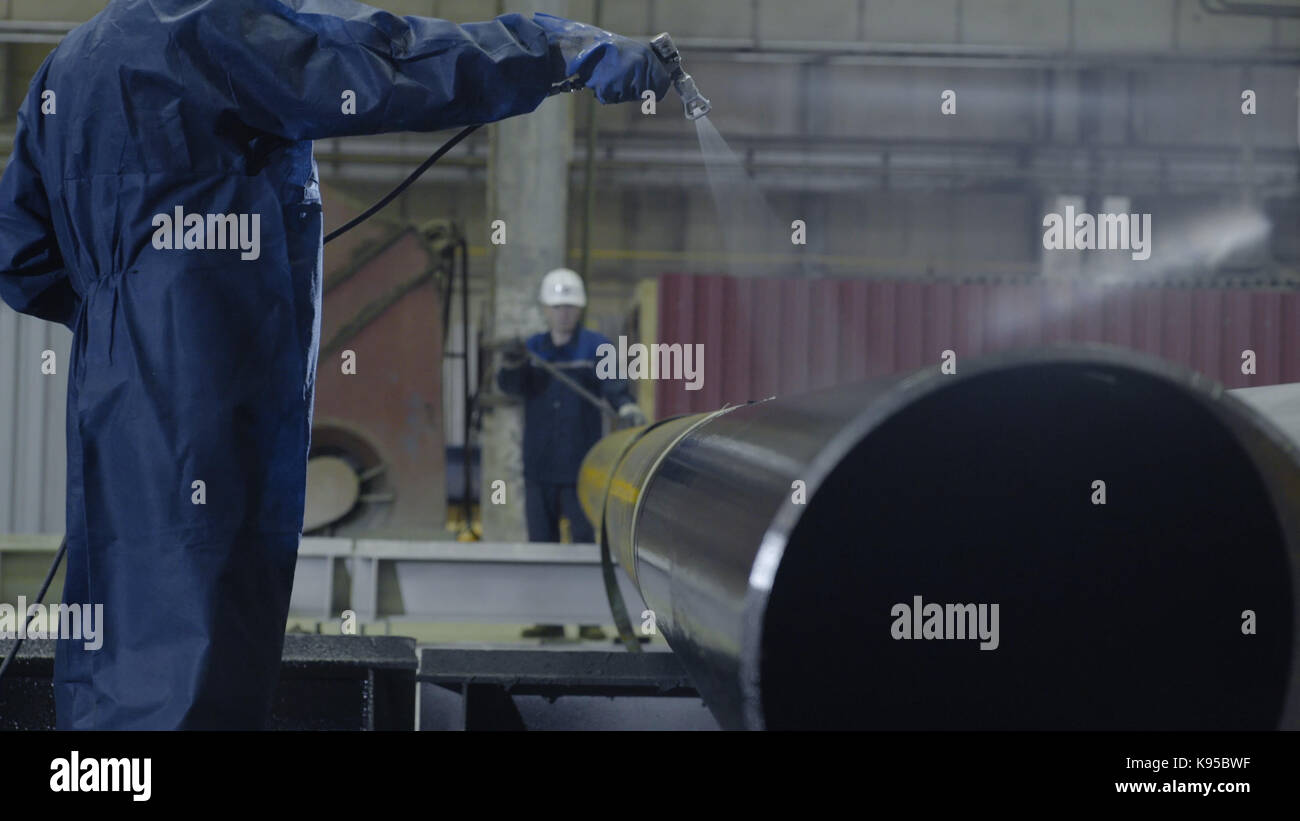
{"x": 559, "y": 425}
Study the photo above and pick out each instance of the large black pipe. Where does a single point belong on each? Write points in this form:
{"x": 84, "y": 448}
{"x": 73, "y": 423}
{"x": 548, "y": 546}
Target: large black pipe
{"x": 791, "y": 550}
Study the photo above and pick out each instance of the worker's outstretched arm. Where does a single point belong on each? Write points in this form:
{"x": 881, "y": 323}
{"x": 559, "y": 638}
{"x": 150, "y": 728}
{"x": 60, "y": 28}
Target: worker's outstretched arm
{"x": 33, "y": 279}
{"x": 619, "y": 395}
{"x": 309, "y": 69}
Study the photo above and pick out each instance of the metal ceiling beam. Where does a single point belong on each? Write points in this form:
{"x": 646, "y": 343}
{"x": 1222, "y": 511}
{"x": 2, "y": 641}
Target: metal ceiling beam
{"x": 751, "y": 49}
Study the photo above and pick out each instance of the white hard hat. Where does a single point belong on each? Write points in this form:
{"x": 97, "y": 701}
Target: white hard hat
{"x": 563, "y": 287}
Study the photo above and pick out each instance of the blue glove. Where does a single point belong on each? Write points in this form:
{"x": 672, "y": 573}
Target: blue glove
{"x": 616, "y": 68}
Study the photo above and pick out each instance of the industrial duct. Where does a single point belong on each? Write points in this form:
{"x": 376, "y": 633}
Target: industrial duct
{"x": 1070, "y": 538}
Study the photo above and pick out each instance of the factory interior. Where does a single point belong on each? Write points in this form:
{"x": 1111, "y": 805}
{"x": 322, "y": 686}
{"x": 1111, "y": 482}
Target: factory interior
{"x": 972, "y": 322}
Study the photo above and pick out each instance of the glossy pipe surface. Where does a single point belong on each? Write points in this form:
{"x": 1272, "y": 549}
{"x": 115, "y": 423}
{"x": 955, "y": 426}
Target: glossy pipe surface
{"x": 1074, "y": 538}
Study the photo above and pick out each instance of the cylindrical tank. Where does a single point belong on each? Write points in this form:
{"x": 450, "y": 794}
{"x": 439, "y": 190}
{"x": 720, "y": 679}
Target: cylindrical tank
{"x": 1075, "y": 538}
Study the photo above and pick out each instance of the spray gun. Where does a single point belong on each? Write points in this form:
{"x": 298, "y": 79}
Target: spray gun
{"x": 697, "y": 105}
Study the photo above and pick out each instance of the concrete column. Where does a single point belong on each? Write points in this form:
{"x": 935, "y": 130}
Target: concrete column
{"x": 528, "y": 174}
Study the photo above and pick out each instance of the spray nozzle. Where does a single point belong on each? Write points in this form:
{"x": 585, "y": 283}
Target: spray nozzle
{"x": 697, "y": 105}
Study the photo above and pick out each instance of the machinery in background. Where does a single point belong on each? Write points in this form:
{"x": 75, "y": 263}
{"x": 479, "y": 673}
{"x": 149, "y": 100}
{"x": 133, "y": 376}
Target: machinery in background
{"x": 377, "y": 463}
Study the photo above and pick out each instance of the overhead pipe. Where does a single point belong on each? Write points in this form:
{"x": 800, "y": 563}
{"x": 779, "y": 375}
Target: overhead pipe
{"x": 1108, "y": 541}
{"x": 1250, "y": 9}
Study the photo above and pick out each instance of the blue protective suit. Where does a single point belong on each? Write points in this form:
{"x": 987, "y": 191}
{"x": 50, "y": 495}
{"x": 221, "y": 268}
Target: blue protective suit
{"x": 161, "y": 201}
{"x": 559, "y": 425}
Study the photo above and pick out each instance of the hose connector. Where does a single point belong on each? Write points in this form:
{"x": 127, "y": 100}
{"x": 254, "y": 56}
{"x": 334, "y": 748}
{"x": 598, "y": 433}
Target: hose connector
{"x": 697, "y": 105}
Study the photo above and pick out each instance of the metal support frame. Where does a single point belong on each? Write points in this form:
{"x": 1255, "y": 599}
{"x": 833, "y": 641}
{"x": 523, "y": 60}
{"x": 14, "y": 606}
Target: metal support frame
{"x": 476, "y": 689}
{"x": 481, "y": 582}
{"x": 433, "y": 582}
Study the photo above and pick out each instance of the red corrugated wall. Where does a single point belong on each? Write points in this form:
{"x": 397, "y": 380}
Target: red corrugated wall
{"x": 766, "y": 337}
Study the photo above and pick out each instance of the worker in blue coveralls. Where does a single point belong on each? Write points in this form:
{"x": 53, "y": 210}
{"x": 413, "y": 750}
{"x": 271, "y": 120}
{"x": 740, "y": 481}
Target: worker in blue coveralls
{"x": 560, "y": 425}
{"x": 161, "y": 201}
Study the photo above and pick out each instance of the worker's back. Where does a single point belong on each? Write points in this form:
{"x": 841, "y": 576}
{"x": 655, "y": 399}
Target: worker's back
{"x": 192, "y": 241}
{"x": 141, "y": 118}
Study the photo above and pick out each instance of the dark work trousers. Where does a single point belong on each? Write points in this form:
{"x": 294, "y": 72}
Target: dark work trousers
{"x": 544, "y": 504}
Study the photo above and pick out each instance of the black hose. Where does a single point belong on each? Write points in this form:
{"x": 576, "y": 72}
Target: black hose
{"x": 40, "y": 597}
{"x": 404, "y": 184}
